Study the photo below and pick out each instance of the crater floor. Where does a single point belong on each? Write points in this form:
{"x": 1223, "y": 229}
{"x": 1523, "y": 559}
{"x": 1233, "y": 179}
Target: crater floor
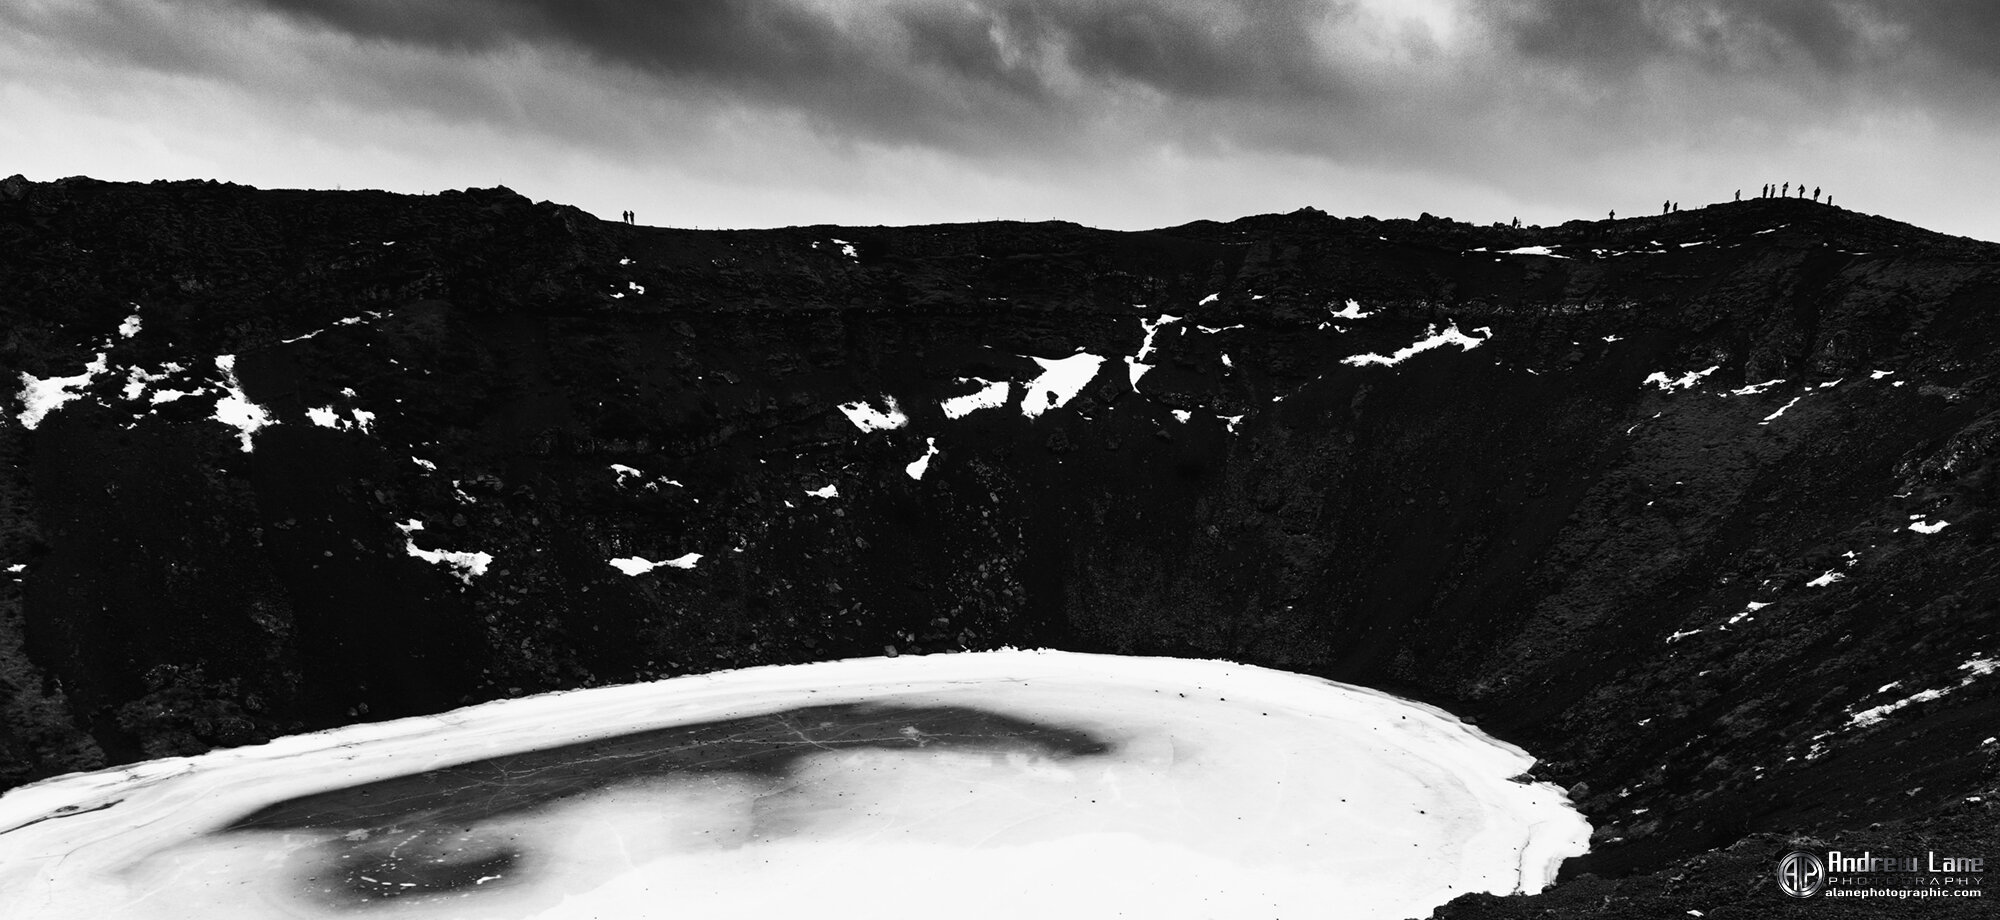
{"x": 1000, "y": 784}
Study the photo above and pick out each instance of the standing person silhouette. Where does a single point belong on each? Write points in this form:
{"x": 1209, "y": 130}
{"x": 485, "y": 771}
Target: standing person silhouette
{"x": 1739, "y": 194}
{"x": 1666, "y": 206}
{"x": 1614, "y": 215}
{"x": 1815, "y": 193}
{"x": 1786, "y": 192}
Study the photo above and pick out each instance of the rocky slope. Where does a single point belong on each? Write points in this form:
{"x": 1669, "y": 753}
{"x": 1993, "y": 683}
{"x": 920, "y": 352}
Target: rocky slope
{"x": 1700, "y": 508}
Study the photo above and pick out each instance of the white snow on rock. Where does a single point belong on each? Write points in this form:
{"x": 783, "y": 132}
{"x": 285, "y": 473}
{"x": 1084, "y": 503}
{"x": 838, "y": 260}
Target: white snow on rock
{"x": 466, "y": 566}
{"x": 43, "y": 395}
{"x": 1929, "y": 527}
{"x": 637, "y": 565}
{"x": 1533, "y": 251}
{"x": 235, "y": 408}
{"x": 1432, "y": 339}
{"x": 1152, "y": 329}
{"x": 1192, "y": 788}
{"x": 868, "y": 418}
{"x": 1182, "y": 415}
{"x": 326, "y": 417}
{"x": 17, "y": 568}
{"x": 130, "y": 327}
{"x": 1756, "y": 388}
{"x": 1351, "y": 310}
{"x": 1059, "y": 382}
{"x": 1205, "y": 301}
{"x": 992, "y": 394}
{"x": 1877, "y": 375}
{"x": 1781, "y": 411}
{"x": 825, "y": 491}
{"x": 624, "y": 472}
{"x": 847, "y": 249}
{"x": 1231, "y": 420}
{"x": 426, "y": 464}
{"x": 137, "y": 379}
{"x": 1975, "y": 668}
{"x": 1226, "y": 362}
{"x": 922, "y": 464}
{"x": 1134, "y": 370}
{"x": 1826, "y": 578}
{"x": 1686, "y": 381}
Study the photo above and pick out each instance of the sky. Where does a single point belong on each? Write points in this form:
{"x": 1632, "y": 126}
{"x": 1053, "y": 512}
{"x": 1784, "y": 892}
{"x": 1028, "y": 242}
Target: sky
{"x": 1113, "y": 113}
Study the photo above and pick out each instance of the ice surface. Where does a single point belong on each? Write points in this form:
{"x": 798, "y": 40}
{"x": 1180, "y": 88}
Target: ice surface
{"x": 869, "y": 418}
{"x": 1061, "y": 379}
{"x": 1001, "y": 784}
{"x": 1432, "y": 339}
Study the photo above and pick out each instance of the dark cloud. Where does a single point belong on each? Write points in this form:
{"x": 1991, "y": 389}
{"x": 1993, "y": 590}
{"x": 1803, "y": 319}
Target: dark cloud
{"x": 1831, "y": 38}
{"x": 948, "y": 73}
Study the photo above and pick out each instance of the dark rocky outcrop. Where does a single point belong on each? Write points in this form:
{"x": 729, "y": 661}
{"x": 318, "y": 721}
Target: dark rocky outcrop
{"x": 1526, "y": 532}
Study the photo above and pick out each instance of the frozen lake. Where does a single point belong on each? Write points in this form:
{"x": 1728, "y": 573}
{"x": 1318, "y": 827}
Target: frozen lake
{"x": 996, "y": 784}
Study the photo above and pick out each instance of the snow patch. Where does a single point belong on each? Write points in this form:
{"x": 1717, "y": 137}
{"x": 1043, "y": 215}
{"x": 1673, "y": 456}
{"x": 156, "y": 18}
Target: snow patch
{"x": 992, "y": 395}
{"x": 1533, "y": 251}
{"x": 825, "y": 491}
{"x": 235, "y": 408}
{"x": 919, "y": 466}
{"x": 1826, "y": 578}
{"x": 43, "y": 395}
{"x": 1686, "y": 381}
{"x": 1756, "y": 388}
{"x": 639, "y": 565}
{"x": 1975, "y": 668}
{"x": 130, "y": 327}
{"x": 1432, "y": 339}
{"x": 867, "y": 418}
{"x": 1781, "y": 411}
{"x": 1351, "y": 310}
{"x": 466, "y": 566}
{"x": 1152, "y": 329}
{"x": 1929, "y": 527}
{"x": 1061, "y": 379}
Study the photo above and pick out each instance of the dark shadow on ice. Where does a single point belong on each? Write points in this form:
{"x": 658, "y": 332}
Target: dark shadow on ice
{"x": 420, "y": 833}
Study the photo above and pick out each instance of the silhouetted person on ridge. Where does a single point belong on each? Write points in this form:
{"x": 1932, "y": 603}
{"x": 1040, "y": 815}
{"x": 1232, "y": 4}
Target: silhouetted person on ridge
{"x": 1614, "y": 215}
{"x": 1739, "y": 194}
{"x": 1815, "y": 193}
{"x": 1786, "y": 192}
{"x": 1666, "y": 206}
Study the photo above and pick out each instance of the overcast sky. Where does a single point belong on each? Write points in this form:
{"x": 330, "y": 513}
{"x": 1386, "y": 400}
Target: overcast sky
{"x": 1114, "y": 113}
